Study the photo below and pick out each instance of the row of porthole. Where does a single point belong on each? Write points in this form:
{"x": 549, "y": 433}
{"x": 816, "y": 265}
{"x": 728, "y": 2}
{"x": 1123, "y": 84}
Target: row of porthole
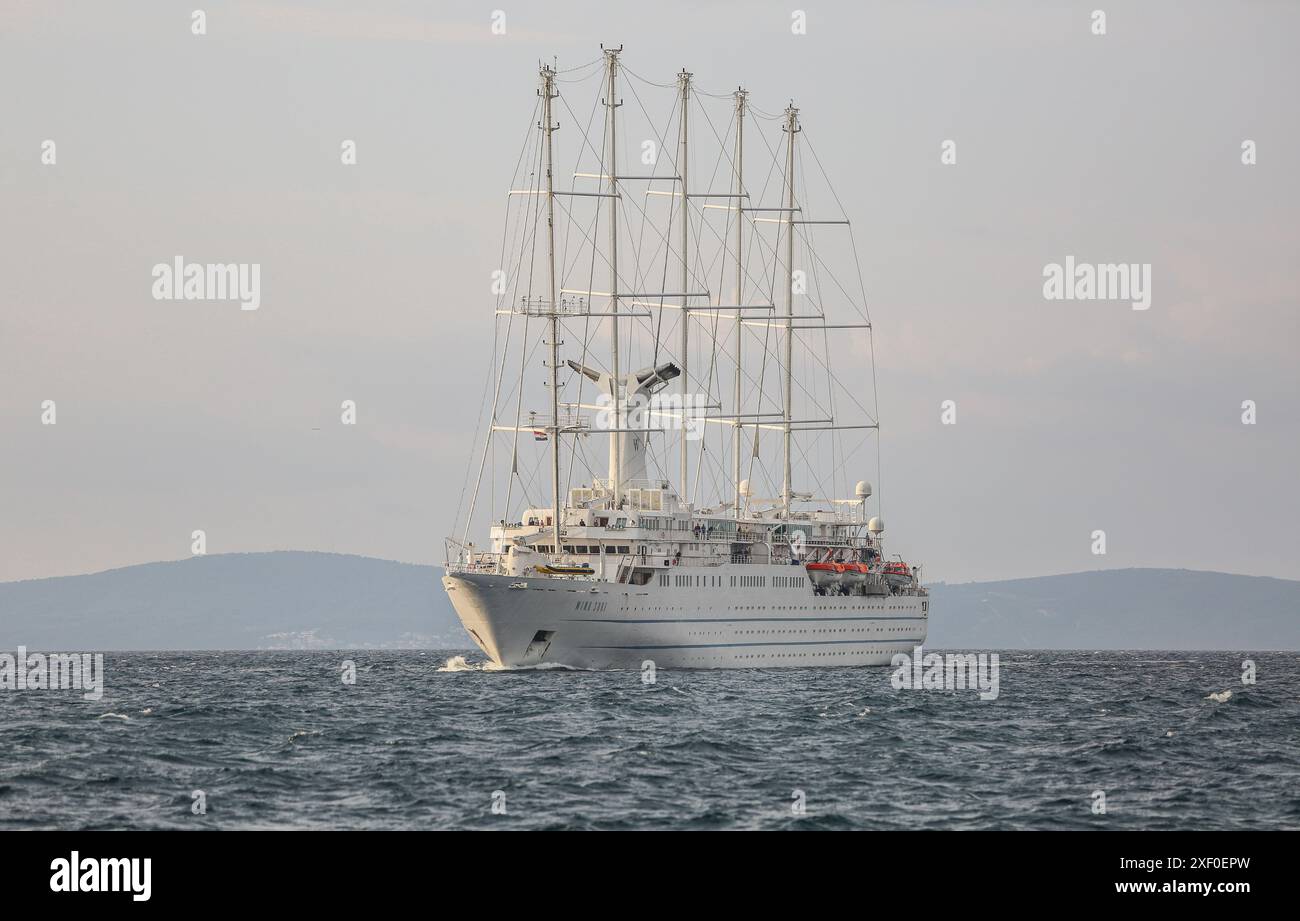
{"x": 781, "y": 655}
{"x": 737, "y": 608}
{"x": 816, "y": 632}
{"x": 804, "y": 632}
{"x": 778, "y": 607}
{"x": 826, "y": 630}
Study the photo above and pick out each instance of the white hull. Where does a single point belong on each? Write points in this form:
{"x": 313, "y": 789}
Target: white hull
{"x": 699, "y": 619}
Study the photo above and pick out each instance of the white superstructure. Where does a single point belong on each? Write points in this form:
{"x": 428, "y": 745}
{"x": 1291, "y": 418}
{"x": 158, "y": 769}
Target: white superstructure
{"x": 616, "y": 570}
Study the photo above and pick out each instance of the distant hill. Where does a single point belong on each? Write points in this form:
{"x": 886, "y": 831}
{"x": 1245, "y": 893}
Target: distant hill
{"x": 284, "y": 600}
{"x": 295, "y": 600}
{"x": 1120, "y": 609}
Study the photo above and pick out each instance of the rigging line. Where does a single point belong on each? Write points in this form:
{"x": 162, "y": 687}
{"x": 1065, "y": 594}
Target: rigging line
{"x": 774, "y": 260}
{"x": 672, "y": 206}
{"x": 488, "y": 440}
{"x": 569, "y": 70}
{"x": 749, "y": 106}
{"x": 728, "y": 442}
{"x": 487, "y": 378}
{"x": 731, "y": 96}
{"x": 576, "y": 447}
{"x": 838, "y": 437}
{"x": 723, "y": 152}
{"x": 880, "y": 474}
{"x": 663, "y": 282}
{"x": 762, "y": 375}
{"x": 600, "y": 158}
{"x": 871, "y": 343}
{"x": 804, "y": 349}
{"x": 524, "y": 485}
{"x": 469, "y": 511}
{"x": 587, "y": 320}
{"x": 500, "y": 378}
{"x": 568, "y": 266}
{"x": 594, "y": 247}
{"x": 638, "y": 278}
{"x": 835, "y": 471}
{"x": 693, "y": 268}
{"x": 641, "y": 210}
{"x": 810, "y": 246}
{"x": 756, "y": 239}
{"x": 711, "y": 377}
{"x": 721, "y": 477}
{"x": 534, "y": 203}
{"x": 625, "y": 69}
{"x": 584, "y": 355}
{"x": 664, "y": 147}
{"x": 565, "y": 265}
{"x": 864, "y": 310}
{"x": 806, "y": 234}
{"x": 769, "y": 116}
{"x": 579, "y": 444}
{"x": 856, "y": 448}
{"x": 723, "y": 347}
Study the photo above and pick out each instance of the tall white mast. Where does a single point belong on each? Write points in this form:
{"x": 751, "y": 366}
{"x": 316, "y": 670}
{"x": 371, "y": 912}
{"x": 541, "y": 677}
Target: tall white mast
{"x": 736, "y": 429}
{"x": 791, "y": 128}
{"x": 683, "y": 165}
{"x": 611, "y": 169}
{"x": 548, "y": 93}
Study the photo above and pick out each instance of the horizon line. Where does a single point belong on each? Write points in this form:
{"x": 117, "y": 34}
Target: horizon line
{"x": 362, "y": 556}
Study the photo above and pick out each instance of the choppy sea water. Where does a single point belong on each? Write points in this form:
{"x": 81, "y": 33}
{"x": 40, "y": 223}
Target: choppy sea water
{"x": 430, "y": 740}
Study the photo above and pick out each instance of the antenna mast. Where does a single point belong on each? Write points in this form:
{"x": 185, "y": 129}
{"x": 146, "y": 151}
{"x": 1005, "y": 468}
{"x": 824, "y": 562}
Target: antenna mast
{"x": 683, "y": 165}
{"x": 791, "y": 128}
{"x": 736, "y": 429}
{"x": 611, "y": 170}
{"x": 548, "y": 93}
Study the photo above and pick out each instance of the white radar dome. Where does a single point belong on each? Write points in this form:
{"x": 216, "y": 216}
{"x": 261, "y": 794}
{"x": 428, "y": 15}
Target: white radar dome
{"x": 875, "y": 525}
{"x": 744, "y": 487}
{"x": 862, "y": 490}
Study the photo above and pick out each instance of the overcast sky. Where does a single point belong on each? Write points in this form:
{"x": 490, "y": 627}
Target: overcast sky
{"x": 1073, "y": 416}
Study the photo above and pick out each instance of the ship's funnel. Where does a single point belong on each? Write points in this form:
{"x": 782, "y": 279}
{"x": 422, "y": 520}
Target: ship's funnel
{"x": 627, "y": 446}
{"x": 650, "y": 380}
{"x": 586, "y": 372}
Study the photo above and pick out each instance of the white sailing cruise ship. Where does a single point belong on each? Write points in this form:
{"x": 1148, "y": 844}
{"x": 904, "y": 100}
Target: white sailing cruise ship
{"x": 725, "y": 529}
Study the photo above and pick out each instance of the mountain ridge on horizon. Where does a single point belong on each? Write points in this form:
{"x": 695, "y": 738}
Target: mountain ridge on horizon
{"x": 292, "y": 599}
{"x": 384, "y": 559}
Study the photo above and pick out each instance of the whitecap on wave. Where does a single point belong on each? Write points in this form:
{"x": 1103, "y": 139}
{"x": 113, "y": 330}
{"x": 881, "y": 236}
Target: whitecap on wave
{"x": 458, "y": 664}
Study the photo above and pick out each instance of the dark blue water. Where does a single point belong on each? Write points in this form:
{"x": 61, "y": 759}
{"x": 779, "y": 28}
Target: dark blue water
{"x": 277, "y": 740}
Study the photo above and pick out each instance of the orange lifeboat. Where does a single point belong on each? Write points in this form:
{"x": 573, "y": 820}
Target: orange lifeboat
{"x": 854, "y": 574}
{"x": 897, "y": 574}
{"x": 824, "y": 575}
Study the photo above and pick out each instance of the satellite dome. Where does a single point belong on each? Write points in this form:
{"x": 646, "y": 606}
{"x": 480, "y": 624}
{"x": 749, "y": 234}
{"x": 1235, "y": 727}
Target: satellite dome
{"x": 862, "y": 490}
{"x": 744, "y": 487}
{"x": 875, "y": 525}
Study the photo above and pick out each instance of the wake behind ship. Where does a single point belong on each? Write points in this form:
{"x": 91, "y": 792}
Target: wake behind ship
{"x": 634, "y": 566}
